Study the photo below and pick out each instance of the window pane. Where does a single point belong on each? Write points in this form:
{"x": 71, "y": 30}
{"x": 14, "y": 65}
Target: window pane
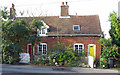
{"x": 76, "y": 27}
{"x": 44, "y": 52}
{"x": 76, "y": 47}
{"x": 44, "y": 46}
{"x": 80, "y": 47}
{"x": 44, "y": 49}
{"x": 40, "y": 48}
{"x": 43, "y": 30}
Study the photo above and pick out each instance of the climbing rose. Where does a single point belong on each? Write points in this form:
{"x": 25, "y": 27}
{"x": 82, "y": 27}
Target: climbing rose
{"x": 110, "y": 51}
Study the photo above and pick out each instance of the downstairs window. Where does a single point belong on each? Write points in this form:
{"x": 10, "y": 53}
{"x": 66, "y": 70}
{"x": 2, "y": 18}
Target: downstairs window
{"x": 42, "y": 48}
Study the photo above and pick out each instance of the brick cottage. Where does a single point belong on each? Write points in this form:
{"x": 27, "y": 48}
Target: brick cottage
{"x": 83, "y": 31}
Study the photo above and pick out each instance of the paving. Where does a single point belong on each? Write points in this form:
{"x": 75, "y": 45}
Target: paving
{"x": 51, "y": 69}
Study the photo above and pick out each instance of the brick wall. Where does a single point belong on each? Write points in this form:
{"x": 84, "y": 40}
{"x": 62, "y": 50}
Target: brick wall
{"x": 67, "y": 40}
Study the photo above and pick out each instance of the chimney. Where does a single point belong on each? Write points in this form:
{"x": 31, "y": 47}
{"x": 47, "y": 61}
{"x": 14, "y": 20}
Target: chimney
{"x": 64, "y": 9}
{"x": 12, "y": 12}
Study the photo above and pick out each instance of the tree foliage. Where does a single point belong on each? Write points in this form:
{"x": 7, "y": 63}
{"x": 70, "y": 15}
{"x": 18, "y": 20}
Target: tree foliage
{"x": 14, "y": 35}
{"x": 108, "y": 50}
{"x": 4, "y": 13}
{"x": 34, "y": 26}
{"x": 115, "y": 28}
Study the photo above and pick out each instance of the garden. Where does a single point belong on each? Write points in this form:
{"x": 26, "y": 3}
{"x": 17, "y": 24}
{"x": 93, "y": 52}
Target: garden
{"x": 62, "y": 55}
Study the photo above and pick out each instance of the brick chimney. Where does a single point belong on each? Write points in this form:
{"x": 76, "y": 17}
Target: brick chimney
{"x": 64, "y": 9}
{"x": 12, "y": 12}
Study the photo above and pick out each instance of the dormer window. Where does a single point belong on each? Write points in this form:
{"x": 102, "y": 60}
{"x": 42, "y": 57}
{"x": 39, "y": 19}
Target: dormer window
{"x": 44, "y": 29}
{"x": 76, "y": 27}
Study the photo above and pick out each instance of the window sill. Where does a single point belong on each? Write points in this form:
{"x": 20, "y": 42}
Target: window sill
{"x": 42, "y": 35}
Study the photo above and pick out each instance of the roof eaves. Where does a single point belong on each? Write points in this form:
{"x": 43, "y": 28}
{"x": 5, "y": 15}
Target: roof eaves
{"x": 75, "y": 35}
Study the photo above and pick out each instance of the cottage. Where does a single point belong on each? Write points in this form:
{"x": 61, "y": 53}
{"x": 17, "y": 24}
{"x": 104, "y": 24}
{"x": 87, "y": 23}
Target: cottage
{"x": 83, "y": 31}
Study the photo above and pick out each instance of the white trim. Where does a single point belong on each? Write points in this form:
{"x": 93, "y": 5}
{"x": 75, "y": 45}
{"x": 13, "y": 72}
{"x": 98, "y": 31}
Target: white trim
{"x": 75, "y": 35}
{"x": 42, "y": 48}
{"x": 78, "y": 27}
{"x": 78, "y": 46}
{"x": 64, "y": 16}
{"x": 94, "y": 50}
{"x": 28, "y": 47}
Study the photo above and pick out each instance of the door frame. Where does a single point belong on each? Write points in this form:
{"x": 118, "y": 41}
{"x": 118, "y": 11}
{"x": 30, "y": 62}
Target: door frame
{"x": 28, "y": 48}
{"x": 94, "y": 49}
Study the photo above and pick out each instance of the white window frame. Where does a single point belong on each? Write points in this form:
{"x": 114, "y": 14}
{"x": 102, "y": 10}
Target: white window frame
{"x": 78, "y": 46}
{"x": 42, "y": 48}
{"x": 78, "y": 27}
{"x": 40, "y": 31}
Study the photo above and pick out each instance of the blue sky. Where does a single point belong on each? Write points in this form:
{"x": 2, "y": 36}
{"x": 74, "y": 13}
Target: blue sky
{"x": 52, "y": 8}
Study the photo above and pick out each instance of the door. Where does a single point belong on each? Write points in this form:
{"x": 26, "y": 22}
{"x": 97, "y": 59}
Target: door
{"x": 29, "y": 49}
{"x": 91, "y": 51}
{"x": 91, "y": 54}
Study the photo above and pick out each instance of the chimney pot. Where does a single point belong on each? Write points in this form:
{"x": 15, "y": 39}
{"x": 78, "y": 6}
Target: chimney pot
{"x": 64, "y": 9}
{"x": 12, "y": 5}
{"x": 62, "y": 3}
{"x": 66, "y": 3}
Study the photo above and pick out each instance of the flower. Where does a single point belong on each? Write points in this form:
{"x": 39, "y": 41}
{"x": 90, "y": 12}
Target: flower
{"x": 116, "y": 48}
{"x": 110, "y": 51}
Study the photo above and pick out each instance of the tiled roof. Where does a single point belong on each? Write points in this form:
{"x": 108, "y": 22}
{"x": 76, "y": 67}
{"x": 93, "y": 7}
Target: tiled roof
{"x": 88, "y": 24}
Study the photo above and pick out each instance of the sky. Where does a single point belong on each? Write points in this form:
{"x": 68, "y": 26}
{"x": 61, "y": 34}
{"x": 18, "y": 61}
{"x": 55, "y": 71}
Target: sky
{"x": 103, "y": 8}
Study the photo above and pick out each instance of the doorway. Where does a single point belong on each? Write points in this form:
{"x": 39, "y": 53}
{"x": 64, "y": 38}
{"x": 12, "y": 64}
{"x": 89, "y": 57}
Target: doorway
{"x": 91, "y": 54}
{"x": 29, "y": 49}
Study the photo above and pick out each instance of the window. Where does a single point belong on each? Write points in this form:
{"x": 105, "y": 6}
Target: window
{"x": 76, "y": 27}
{"x": 78, "y": 47}
{"x": 44, "y": 29}
{"x": 42, "y": 48}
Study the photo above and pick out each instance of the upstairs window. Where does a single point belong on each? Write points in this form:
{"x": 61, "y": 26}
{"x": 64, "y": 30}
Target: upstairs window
{"x": 76, "y": 27}
{"x": 43, "y": 31}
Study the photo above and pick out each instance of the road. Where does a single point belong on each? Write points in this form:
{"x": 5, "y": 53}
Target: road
{"x": 49, "y": 69}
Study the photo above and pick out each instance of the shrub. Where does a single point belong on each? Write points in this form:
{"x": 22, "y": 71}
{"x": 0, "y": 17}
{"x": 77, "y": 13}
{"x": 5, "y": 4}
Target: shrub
{"x": 62, "y": 53}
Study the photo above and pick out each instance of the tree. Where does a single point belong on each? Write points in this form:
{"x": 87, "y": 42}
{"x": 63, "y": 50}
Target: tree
{"x": 35, "y": 25}
{"x": 108, "y": 50}
{"x": 5, "y": 13}
{"x": 14, "y": 35}
{"x": 115, "y": 28}
{"x": 13, "y": 39}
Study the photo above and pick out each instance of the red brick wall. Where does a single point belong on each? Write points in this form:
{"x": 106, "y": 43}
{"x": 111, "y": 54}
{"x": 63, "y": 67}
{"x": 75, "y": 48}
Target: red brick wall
{"x": 67, "y": 40}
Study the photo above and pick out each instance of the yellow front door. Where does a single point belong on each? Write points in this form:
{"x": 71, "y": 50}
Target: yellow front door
{"x": 92, "y": 51}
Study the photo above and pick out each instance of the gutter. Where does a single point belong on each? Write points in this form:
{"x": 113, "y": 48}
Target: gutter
{"x": 99, "y": 35}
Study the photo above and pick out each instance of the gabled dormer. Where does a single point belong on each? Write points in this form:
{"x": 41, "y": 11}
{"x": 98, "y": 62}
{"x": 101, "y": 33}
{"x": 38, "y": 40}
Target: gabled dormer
{"x": 44, "y": 29}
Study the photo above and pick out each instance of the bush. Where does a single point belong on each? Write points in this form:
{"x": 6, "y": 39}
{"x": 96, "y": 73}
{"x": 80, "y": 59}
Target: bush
{"x": 11, "y": 53}
{"x": 108, "y": 50}
{"x": 65, "y": 54}
{"x": 62, "y": 54}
